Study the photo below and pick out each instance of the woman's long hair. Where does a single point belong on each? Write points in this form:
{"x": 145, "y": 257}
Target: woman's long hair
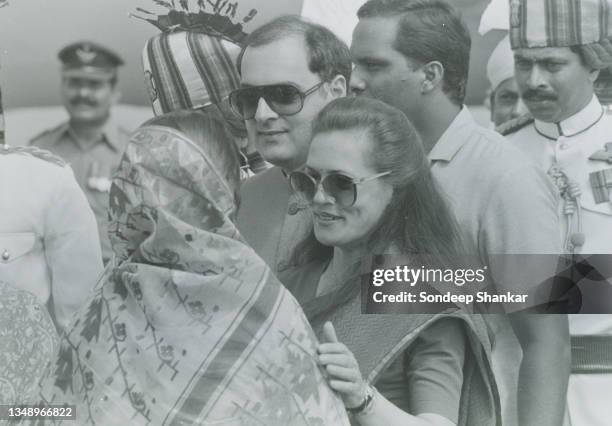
{"x": 417, "y": 219}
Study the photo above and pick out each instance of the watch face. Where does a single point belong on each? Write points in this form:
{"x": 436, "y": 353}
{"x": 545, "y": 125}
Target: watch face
{"x": 366, "y": 404}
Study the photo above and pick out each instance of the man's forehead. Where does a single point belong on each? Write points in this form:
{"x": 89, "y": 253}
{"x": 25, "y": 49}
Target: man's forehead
{"x": 281, "y": 61}
{"x": 374, "y": 33}
{"x": 545, "y": 53}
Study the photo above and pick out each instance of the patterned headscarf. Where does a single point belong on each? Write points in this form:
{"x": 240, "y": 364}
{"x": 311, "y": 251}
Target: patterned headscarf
{"x": 188, "y": 326}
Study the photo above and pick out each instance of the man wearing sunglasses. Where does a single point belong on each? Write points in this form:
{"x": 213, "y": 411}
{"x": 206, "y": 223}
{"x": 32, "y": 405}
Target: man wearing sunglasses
{"x": 289, "y": 70}
{"x": 414, "y": 55}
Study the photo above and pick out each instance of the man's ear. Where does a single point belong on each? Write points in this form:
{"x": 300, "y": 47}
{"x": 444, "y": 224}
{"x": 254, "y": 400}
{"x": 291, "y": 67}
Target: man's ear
{"x": 594, "y": 74}
{"x": 434, "y": 74}
{"x": 337, "y": 87}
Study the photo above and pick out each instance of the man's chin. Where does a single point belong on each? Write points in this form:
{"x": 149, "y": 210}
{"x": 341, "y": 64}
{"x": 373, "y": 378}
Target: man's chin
{"x": 274, "y": 153}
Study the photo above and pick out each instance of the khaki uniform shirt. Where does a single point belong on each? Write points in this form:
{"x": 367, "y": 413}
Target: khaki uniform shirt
{"x": 93, "y": 166}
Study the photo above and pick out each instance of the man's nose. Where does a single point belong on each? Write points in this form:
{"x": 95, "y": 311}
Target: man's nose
{"x": 263, "y": 111}
{"x": 536, "y": 78}
{"x": 357, "y": 83}
{"x": 83, "y": 91}
{"x": 519, "y": 108}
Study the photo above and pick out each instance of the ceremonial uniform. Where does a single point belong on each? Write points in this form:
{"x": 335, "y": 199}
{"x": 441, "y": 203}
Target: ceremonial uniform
{"x": 89, "y": 73}
{"x": 48, "y": 237}
{"x": 567, "y": 151}
{"x": 558, "y": 51}
{"x": 577, "y": 154}
{"x": 93, "y": 166}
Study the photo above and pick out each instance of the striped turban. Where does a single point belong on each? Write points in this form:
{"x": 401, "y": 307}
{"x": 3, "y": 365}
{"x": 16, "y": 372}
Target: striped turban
{"x": 187, "y": 70}
{"x": 564, "y": 23}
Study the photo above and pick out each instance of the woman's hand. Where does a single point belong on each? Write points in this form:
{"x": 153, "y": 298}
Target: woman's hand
{"x": 342, "y": 368}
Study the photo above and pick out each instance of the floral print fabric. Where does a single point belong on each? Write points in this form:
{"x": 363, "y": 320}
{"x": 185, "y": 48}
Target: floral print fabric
{"x": 188, "y": 326}
{"x": 28, "y": 341}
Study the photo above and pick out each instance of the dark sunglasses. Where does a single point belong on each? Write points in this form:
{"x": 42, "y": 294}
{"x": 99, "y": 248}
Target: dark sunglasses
{"x": 283, "y": 99}
{"x": 343, "y": 189}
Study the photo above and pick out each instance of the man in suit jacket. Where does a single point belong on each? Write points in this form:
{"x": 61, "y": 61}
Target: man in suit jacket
{"x": 311, "y": 62}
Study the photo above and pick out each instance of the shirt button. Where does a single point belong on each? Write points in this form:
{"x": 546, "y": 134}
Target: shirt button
{"x": 6, "y": 255}
{"x": 563, "y": 146}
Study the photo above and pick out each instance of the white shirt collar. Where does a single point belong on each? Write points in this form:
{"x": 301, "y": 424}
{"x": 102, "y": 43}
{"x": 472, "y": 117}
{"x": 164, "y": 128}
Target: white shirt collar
{"x": 577, "y": 123}
{"x": 454, "y": 137}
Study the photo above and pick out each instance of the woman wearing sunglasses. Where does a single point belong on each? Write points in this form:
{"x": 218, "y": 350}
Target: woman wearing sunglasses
{"x": 368, "y": 183}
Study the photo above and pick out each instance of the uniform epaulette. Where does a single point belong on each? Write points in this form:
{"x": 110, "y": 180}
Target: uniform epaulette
{"x": 42, "y": 135}
{"x": 33, "y": 151}
{"x": 514, "y": 124}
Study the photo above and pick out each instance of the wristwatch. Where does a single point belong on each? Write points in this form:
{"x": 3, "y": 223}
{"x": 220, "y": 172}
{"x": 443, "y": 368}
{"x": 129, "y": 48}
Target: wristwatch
{"x": 366, "y": 404}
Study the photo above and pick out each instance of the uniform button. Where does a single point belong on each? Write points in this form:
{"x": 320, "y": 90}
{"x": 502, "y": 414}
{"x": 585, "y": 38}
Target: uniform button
{"x": 6, "y": 255}
{"x": 563, "y": 146}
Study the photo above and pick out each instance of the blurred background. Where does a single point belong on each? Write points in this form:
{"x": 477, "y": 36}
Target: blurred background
{"x": 33, "y": 31}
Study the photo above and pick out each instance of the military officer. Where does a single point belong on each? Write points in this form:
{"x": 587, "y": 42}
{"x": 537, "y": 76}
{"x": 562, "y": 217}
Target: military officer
{"x": 48, "y": 235}
{"x": 558, "y": 54}
{"x": 90, "y": 141}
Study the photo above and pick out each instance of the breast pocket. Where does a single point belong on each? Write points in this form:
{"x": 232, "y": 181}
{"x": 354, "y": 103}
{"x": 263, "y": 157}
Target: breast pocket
{"x": 16, "y": 245}
{"x": 23, "y": 264}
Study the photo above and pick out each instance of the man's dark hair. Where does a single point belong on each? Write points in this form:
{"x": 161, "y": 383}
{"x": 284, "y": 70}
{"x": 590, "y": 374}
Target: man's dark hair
{"x": 328, "y": 56}
{"x": 429, "y": 30}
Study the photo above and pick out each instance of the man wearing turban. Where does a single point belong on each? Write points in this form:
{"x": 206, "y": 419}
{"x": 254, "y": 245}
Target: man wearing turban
{"x": 559, "y": 50}
{"x": 504, "y": 100}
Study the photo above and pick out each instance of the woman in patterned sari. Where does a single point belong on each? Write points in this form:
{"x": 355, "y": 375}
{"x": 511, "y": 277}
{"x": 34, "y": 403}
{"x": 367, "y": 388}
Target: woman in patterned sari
{"x": 188, "y": 326}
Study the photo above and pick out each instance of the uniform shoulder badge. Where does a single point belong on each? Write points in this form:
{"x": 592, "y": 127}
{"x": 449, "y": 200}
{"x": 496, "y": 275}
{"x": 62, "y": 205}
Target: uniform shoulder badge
{"x": 514, "y": 125}
{"x": 33, "y": 151}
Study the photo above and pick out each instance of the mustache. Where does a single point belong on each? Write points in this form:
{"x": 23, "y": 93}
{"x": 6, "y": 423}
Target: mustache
{"x": 85, "y": 101}
{"x": 538, "y": 95}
